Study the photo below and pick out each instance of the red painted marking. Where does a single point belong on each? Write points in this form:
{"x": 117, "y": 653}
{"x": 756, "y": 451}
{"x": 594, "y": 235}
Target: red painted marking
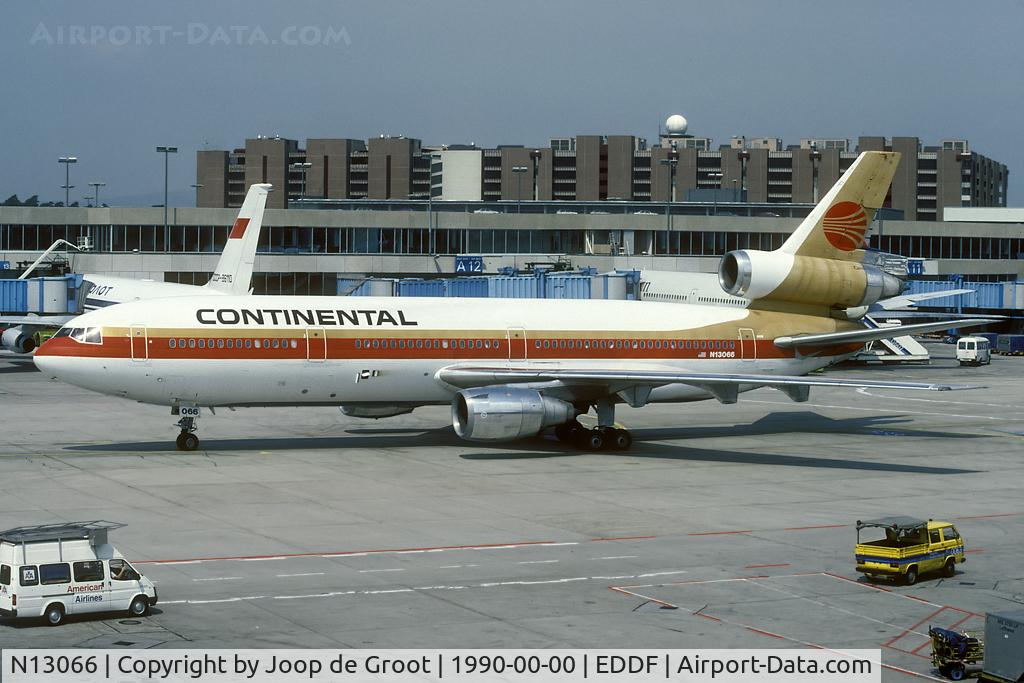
{"x": 914, "y": 597}
{"x": 974, "y": 550}
{"x": 721, "y": 533}
{"x": 765, "y": 633}
{"x": 707, "y": 616}
{"x": 906, "y": 652}
{"x": 622, "y": 538}
{"x": 1003, "y": 514}
{"x": 845, "y": 224}
{"x": 765, "y": 566}
{"x": 857, "y": 583}
{"x": 343, "y": 553}
{"x": 238, "y": 229}
{"x": 916, "y": 626}
{"x": 816, "y": 526}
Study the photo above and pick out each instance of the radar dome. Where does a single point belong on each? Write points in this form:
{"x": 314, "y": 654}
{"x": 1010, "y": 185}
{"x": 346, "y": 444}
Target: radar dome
{"x": 675, "y": 125}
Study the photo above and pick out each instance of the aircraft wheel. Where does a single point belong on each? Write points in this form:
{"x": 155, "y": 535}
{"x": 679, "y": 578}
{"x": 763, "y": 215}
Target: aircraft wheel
{"x": 187, "y": 441}
{"x": 591, "y": 439}
{"x": 621, "y": 439}
{"x": 566, "y": 432}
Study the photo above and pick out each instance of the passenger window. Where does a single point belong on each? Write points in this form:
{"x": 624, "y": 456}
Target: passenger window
{"x": 88, "y": 571}
{"x": 487, "y": 343}
{"x": 50, "y": 574}
{"x": 122, "y": 571}
{"x": 220, "y": 343}
{"x": 172, "y": 343}
{"x": 248, "y": 343}
{"x": 444, "y": 344}
{"x": 401, "y": 343}
{"x": 657, "y": 344}
{"x": 191, "y": 343}
{"x": 181, "y": 343}
{"x": 419, "y": 343}
{"x": 462, "y": 343}
{"x": 358, "y": 343}
{"x": 547, "y": 344}
{"x": 376, "y": 343}
{"x": 29, "y": 577}
{"x": 276, "y": 343}
{"x": 935, "y": 536}
{"x": 480, "y": 344}
{"x": 266, "y": 343}
{"x": 202, "y": 343}
{"x": 536, "y": 344}
{"x": 256, "y": 343}
{"x": 5, "y": 575}
{"x": 497, "y": 343}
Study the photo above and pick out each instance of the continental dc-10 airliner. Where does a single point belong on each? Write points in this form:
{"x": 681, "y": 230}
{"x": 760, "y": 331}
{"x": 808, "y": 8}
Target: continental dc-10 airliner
{"x": 510, "y": 368}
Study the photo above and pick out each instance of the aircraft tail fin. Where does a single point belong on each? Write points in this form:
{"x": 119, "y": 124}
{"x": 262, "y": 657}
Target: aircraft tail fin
{"x": 837, "y": 228}
{"x": 233, "y": 273}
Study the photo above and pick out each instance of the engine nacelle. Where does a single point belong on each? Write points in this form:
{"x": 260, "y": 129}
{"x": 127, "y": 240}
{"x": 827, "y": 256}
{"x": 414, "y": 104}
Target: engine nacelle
{"x": 376, "y": 412}
{"x": 14, "y": 339}
{"x": 780, "y": 276}
{"x": 503, "y": 413}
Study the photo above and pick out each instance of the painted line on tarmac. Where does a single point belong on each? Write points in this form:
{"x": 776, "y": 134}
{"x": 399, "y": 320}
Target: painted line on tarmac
{"x": 389, "y": 591}
{"x": 865, "y": 392}
{"x": 222, "y": 578}
{"x": 616, "y": 557}
{"x": 753, "y": 629}
{"x": 289, "y": 576}
{"x": 538, "y": 562}
{"x": 766, "y": 566}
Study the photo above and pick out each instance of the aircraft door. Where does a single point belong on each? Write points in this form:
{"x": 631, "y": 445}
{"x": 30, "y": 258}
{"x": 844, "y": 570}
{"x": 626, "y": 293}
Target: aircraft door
{"x": 516, "y": 343}
{"x": 316, "y": 344}
{"x": 748, "y": 344}
{"x": 140, "y": 342}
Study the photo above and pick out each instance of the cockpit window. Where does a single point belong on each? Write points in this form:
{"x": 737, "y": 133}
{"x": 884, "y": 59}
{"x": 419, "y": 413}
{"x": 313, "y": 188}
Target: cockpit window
{"x": 63, "y": 332}
{"x": 86, "y": 335}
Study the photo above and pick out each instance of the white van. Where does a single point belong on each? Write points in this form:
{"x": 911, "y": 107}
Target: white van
{"x": 55, "y": 570}
{"x": 973, "y": 351}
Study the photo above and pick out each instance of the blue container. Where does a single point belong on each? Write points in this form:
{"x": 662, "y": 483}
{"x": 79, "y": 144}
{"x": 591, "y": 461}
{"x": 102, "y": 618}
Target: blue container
{"x": 420, "y": 287}
{"x": 1010, "y": 344}
{"x": 512, "y": 287}
{"x": 14, "y": 296}
{"x": 467, "y": 286}
{"x": 991, "y": 336}
{"x": 567, "y": 287}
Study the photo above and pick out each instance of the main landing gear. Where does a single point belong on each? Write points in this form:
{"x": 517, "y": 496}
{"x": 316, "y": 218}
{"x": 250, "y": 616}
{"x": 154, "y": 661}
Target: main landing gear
{"x": 605, "y": 436}
{"x": 187, "y": 439}
{"x": 596, "y": 439}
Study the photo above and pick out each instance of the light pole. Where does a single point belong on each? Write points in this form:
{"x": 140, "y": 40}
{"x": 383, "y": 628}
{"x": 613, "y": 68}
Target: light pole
{"x": 718, "y": 177}
{"x": 166, "y": 151}
{"x": 196, "y": 187}
{"x": 744, "y": 156}
{"x": 815, "y": 158}
{"x": 519, "y": 171}
{"x": 671, "y": 162}
{"x": 302, "y": 167}
{"x": 67, "y": 161}
{"x": 96, "y": 189}
{"x": 431, "y": 157}
{"x": 735, "y": 191}
{"x": 535, "y": 158}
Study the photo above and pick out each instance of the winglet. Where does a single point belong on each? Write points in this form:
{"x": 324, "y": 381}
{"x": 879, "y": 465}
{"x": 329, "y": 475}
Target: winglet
{"x": 233, "y": 273}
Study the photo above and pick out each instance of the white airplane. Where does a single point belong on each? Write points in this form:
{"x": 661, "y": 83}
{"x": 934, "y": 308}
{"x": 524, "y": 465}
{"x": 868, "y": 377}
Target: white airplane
{"x": 509, "y": 368}
{"x": 232, "y": 275}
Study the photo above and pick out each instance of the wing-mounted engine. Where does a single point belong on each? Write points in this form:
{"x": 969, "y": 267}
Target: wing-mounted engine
{"x": 780, "y": 276}
{"x": 17, "y": 340}
{"x": 504, "y": 413}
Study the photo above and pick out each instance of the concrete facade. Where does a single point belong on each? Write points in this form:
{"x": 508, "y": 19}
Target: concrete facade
{"x": 331, "y": 160}
{"x": 266, "y": 161}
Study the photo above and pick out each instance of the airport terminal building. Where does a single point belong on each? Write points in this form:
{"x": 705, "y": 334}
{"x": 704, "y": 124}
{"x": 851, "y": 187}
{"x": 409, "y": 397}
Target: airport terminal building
{"x": 390, "y": 208}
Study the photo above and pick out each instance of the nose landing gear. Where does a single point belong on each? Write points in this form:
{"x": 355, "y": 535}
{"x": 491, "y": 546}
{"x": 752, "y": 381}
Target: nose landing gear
{"x": 187, "y": 439}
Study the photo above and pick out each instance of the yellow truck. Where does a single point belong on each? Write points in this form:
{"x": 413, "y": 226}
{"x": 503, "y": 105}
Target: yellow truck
{"x": 911, "y": 547}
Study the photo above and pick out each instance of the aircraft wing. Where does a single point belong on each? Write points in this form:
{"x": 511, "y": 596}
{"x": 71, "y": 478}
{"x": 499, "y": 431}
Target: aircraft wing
{"x": 35, "y": 321}
{"x": 634, "y": 385}
{"x": 871, "y": 334}
{"x": 911, "y": 300}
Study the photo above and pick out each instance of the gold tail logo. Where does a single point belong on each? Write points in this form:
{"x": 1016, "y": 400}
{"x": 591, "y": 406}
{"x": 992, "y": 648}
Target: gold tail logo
{"x": 846, "y": 225}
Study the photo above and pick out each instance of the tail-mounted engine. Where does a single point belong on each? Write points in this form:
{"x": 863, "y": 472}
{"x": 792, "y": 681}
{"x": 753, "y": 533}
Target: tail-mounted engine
{"x": 781, "y": 276}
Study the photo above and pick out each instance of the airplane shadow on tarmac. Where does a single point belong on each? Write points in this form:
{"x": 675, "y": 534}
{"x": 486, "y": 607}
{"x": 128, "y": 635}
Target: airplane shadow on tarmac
{"x": 548, "y": 447}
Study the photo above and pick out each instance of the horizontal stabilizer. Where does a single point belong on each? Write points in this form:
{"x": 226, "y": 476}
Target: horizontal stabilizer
{"x": 911, "y": 300}
{"x": 872, "y": 334}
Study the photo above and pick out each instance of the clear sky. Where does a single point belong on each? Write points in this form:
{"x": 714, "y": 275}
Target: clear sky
{"x": 109, "y": 80}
